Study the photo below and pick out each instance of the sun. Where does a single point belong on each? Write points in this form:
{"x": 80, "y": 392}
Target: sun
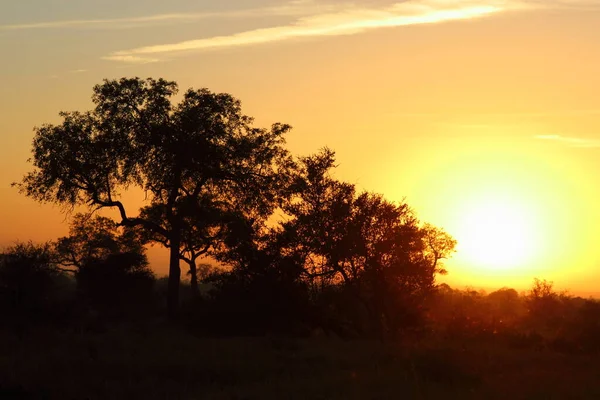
{"x": 497, "y": 233}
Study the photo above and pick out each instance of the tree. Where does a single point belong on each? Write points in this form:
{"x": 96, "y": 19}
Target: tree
{"x": 109, "y": 264}
{"x": 204, "y": 147}
{"x": 545, "y": 306}
{"x": 121, "y": 284}
{"x": 506, "y": 307}
{"x": 438, "y": 246}
{"x": 262, "y": 292}
{"x": 318, "y": 229}
{"x": 541, "y": 290}
{"x": 391, "y": 261}
{"x": 96, "y": 238}
{"x": 203, "y": 228}
{"x": 375, "y": 249}
{"x": 31, "y": 284}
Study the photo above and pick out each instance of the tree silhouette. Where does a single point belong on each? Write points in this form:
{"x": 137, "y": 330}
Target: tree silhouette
{"x": 438, "y": 246}
{"x": 95, "y": 238}
{"x": 546, "y": 307}
{"x": 30, "y": 283}
{"x": 202, "y": 147}
{"x": 375, "y": 249}
{"x": 263, "y": 290}
{"x": 320, "y": 211}
{"x": 109, "y": 263}
{"x": 204, "y": 226}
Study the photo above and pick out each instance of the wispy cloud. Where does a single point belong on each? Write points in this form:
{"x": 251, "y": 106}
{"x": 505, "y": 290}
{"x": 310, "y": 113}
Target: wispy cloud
{"x": 312, "y": 18}
{"x": 346, "y": 20}
{"x": 131, "y": 59}
{"x": 566, "y": 4}
{"x": 295, "y": 8}
{"x": 106, "y": 23}
{"x": 571, "y": 141}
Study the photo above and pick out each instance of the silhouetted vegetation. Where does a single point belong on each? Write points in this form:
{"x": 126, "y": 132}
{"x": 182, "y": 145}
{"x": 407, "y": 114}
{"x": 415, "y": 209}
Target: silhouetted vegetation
{"x": 110, "y": 267}
{"x": 277, "y": 248}
{"x": 202, "y": 152}
{"x": 541, "y": 318}
{"x": 33, "y": 290}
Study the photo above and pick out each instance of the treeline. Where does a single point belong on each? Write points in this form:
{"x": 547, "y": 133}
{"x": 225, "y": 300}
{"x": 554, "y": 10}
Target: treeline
{"x": 300, "y": 248}
{"x": 540, "y": 318}
{"x": 98, "y": 276}
{"x": 300, "y": 251}
{"x": 339, "y": 262}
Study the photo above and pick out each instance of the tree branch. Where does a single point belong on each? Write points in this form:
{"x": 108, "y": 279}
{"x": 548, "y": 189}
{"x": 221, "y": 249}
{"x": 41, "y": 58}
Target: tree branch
{"x": 131, "y": 222}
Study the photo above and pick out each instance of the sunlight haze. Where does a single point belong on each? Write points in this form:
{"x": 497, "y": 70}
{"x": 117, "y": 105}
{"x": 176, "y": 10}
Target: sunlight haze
{"x": 483, "y": 115}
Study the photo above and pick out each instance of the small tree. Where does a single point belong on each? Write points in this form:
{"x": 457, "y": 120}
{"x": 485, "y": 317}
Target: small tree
{"x": 546, "y": 307}
{"x": 30, "y": 282}
{"x": 96, "y": 238}
{"x": 109, "y": 263}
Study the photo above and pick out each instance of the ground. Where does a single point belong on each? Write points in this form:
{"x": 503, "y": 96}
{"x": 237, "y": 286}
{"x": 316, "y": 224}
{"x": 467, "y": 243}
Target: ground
{"x": 162, "y": 362}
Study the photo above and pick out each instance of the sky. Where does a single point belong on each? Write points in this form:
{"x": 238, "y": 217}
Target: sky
{"x": 483, "y": 115}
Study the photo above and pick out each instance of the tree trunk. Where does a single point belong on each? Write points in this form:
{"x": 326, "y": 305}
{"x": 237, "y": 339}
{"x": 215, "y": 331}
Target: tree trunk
{"x": 174, "y": 276}
{"x": 194, "y": 280}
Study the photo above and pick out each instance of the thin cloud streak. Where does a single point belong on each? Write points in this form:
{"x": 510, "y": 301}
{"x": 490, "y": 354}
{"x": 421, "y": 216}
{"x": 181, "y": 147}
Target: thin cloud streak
{"x": 567, "y": 4}
{"x": 291, "y": 9}
{"x": 107, "y": 23}
{"x": 130, "y": 59}
{"x": 345, "y": 22}
{"x": 571, "y": 141}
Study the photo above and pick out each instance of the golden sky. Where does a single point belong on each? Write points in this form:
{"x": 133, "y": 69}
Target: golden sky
{"x": 484, "y": 115}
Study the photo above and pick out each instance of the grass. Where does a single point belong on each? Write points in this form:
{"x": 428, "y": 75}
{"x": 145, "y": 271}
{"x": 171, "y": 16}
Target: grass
{"x": 169, "y": 363}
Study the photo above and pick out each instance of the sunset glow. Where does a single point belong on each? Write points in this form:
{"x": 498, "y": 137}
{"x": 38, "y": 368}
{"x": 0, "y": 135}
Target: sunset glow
{"x": 395, "y": 199}
{"x": 496, "y": 234}
{"x": 482, "y": 114}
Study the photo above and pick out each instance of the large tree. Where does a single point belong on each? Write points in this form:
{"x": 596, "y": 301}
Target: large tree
{"x": 203, "y": 147}
{"x": 205, "y": 225}
{"x": 374, "y": 249}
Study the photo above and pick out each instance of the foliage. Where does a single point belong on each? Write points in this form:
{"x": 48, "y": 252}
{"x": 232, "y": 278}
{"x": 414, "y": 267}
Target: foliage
{"x": 201, "y": 150}
{"x": 374, "y": 248}
{"x": 541, "y": 318}
{"x": 32, "y": 287}
{"x": 302, "y": 254}
{"x": 96, "y": 238}
{"x": 111, "y": 267}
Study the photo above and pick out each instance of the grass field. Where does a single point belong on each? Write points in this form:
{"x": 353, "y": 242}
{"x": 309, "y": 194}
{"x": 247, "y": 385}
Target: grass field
{"x": 169, "y": 363}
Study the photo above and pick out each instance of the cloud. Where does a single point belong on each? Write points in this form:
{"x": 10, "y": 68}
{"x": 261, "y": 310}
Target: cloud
{"x": 104, "y": 23}
{"x": 571, "y": 141}
{"x": 347, "y": 20}
{"x": 292, "y": 9}
{"x": 313, "y": 18}
{"x": 297, "y": 8}
{"x": 566, "y": 4}
{"x": 131, "y": 59}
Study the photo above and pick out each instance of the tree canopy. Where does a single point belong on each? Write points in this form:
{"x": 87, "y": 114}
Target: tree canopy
{"x": 185, "y": 155}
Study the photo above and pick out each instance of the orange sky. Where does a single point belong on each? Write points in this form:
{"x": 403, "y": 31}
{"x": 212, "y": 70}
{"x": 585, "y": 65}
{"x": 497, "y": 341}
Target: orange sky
{"x": 457, "y": 106}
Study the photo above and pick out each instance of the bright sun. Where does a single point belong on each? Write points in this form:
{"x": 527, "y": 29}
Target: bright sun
{"x": 497, "y": 234}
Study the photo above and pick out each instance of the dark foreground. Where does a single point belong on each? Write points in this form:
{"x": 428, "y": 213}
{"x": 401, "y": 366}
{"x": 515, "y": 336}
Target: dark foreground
{"x": 168, "y": 363}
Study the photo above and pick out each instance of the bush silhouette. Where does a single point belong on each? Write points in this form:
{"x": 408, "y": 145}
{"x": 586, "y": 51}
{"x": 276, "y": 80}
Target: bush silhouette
{"x": 32, "y": 287}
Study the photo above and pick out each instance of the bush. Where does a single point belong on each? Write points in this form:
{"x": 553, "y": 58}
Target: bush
{"x": 32, "y": 288}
